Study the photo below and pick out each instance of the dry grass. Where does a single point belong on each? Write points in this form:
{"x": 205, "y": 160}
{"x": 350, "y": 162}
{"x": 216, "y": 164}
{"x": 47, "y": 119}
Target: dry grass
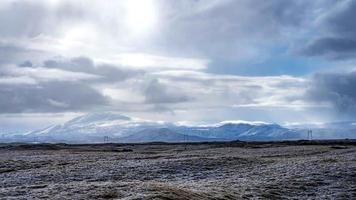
{"x": 105, "y": 194}
{"x": 203, "y": 171}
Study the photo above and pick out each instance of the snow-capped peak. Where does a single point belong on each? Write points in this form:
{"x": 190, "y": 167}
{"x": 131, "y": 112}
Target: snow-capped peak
{"x": 253, "y": 123}
{"x": 98, "y": 117}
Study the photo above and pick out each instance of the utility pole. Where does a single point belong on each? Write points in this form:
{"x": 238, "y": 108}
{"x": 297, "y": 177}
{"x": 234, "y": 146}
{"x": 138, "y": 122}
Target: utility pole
{"x": 35, "y": 139}
{"x": 185, "y": 141}
{"x": 310, "y": 134}
{"x": 106, "y": 139}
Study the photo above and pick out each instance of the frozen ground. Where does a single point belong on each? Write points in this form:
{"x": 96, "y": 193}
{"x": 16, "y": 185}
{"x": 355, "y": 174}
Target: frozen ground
{"x": 160, "y": 171}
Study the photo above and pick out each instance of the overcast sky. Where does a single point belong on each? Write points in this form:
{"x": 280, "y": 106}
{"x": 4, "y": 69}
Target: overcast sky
{"x": 190, "y": 61}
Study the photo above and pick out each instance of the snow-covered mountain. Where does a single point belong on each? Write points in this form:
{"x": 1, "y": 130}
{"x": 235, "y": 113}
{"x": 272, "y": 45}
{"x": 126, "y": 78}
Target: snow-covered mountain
{"x": 94, "y": 127}
{"x": 161, "y": 135}
{"x": 108, "y": 126}
{"x": 241, "y": 131}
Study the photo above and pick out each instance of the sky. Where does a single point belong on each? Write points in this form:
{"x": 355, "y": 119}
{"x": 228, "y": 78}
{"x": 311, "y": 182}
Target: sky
{"x": 186, "y": 61}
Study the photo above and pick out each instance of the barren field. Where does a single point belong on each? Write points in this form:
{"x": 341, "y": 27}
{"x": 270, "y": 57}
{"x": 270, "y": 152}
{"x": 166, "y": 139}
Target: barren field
{"x": 231, "y": 170}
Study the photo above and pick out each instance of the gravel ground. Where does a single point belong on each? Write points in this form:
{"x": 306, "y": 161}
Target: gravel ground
{"x": 160, "y": 171}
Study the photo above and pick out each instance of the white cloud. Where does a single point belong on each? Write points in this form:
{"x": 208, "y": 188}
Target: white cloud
{"x": 17, "y": 80}
{"x": 154, "y": 62}
{"x": 26, "y": 74}
{"x": 127, "y": 95}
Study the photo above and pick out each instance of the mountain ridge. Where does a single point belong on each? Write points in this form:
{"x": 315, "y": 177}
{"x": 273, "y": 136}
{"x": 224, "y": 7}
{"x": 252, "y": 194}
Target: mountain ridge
{"x": 94, "y": 127}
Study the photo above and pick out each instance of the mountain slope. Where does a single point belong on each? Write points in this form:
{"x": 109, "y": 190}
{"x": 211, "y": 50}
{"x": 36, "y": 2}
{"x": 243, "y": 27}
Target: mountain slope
{"x": 97, "y": 126}
{"x": 160, "y": 135}
{"x": 242, "y": 131}
{"x": 93, "y": 128}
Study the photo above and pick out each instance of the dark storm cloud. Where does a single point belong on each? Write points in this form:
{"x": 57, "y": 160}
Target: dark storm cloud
{"x": 229, "y": 28}
{"x": 335, "y": 48}
{"x": 336, "y": 88}
{"x": 285, "y": 12}
{"x": 109, "y": 73}
{"x": 339, "y": 33}
{"x": 49, "y": 97}
{"x": 158, "y": 93}
{"x": 340, "y": 20}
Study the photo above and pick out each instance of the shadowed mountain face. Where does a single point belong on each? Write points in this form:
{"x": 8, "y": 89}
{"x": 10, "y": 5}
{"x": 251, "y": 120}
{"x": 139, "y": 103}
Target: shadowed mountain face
{"x": 111, "y": 127}
{"x": 242, "y": 131}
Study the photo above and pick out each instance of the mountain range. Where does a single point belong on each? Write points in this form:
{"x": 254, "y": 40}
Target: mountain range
{"x": 112, "y": 127}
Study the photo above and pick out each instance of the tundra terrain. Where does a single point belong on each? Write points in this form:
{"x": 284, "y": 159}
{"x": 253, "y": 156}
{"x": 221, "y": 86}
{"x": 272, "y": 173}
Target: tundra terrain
{"x": 224, "y": 170}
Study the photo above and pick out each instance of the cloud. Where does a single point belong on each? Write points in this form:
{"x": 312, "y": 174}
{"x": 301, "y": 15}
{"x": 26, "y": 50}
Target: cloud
{"x": 211, "y": 90}
{"x": 107, "y": 72}
{"x": 211, "y": 29}
{"x": 154, "y": 62}
{"x": 335, "y": 48}
{"x": 237, "y": 30}
{"x": 338, "y": 20}
{"x": 26, "y": 64}
{"x": 41, "y": 74}
{"x": 50, "y": 97}
{"x": 338, "y": 89}
{"x": 29, "y": 19}
{"x": 15, "y": 54}
{"x": 62, "y": 56}
{"x": 58, "y": 85}
{"x": 17, "y": 80}
{"x": 19, "y": 19}
{"x": 158, "y": 93}
{"x": 338, "y": 38}
{"x": 198, "y": 96}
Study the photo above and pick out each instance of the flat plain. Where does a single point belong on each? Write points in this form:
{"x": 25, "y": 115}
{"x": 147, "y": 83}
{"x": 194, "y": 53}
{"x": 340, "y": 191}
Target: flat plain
{"x": 226, "y": 170}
